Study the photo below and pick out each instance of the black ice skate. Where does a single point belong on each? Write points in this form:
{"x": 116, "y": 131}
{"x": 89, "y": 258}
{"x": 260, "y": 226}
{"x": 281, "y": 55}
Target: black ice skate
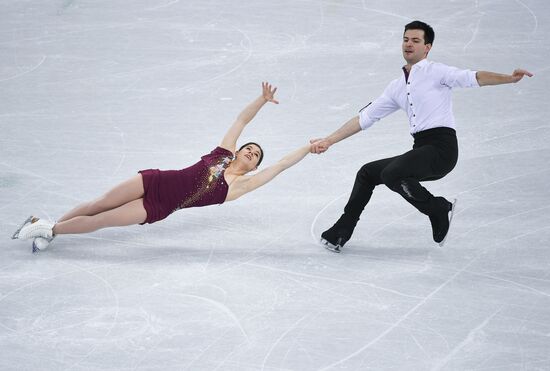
{"x": 441, "y": 221}
{"x": 336, "y": 236}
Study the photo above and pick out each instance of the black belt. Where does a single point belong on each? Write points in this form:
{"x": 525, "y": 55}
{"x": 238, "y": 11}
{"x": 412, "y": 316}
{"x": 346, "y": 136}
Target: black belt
{"x": 434, "y": 131}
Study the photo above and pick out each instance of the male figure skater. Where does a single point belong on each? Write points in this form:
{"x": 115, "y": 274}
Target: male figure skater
{"x": 423, "y": 91}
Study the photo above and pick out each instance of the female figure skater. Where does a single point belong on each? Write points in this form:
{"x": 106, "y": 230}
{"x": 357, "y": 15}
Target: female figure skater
{"x": 154, "y": 194}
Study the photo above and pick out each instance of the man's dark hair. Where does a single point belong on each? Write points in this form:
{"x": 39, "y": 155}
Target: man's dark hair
{"x": 261, "y": 151}
{"x": 429, "y": 34}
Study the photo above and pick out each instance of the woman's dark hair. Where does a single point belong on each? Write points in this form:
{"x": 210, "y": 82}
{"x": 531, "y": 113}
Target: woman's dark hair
{"x": 429, "y": 34}
{"x": 261, "y": 151}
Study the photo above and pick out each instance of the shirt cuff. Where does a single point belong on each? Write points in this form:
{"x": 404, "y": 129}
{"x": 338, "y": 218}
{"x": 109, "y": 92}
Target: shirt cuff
{"x": 473, "y": 79}
{"x": 364, "y": 120}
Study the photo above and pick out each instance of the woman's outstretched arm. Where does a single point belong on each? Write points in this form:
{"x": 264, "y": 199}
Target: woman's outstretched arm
{"x": 230, "y": 139}
{"x": 246, "y": 184}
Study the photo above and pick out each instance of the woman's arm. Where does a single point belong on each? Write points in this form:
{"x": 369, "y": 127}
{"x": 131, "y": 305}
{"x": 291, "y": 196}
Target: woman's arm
{"x": 249, "y": 183}
{"x": 492, "y": 78}
{"x": 229, "y": 141}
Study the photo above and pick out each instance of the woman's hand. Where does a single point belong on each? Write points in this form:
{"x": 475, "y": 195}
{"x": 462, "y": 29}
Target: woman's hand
{"x": 319, "y": 145}
{"x": 269, "y": 93}
{"x": 229, "y": 141}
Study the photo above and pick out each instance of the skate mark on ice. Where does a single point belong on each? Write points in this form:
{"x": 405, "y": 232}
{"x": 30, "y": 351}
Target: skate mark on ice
{"x": 223, "y": 308}
{"x": 496, "y": 221}
{"x": 55, "y": 277}
{"x": 361, "y": 283}
{"x": 469, "y": 339}
{"x": 502, "y": 180}
{"x": 421, "y": 303}
{"x": 205, "y": 350}
{"x": 379, "y": 11}
{"x": 25, "y": 72}
{"x": 417, "y": 343}
{"x": 247, "y": 258}
{"x": 115, "y": 319}
{"x": 332, "y": 291}
{"x": 123, "y": 146}
{"x": 393, "y": 222}
{"x": 283, "y": 335}
{"x": 230, "y": 354}
{"x": 163, "y": 5}
{"x": 296, "y": 345}
{"x": 535, "y": 19}
{"x": 20, "y": 198}
{"x": 29, "y": 173}
{"x": 319, "y": 27}
{"x": 210, "y": 255}
{"x": 315, "y": 238}
{"x": 515, "y": 134}
{"x": 399, "y": 321}
{"x": 247, "y": 48}
{"x": 521, "y": 285}
{"x": 474, "y": 34}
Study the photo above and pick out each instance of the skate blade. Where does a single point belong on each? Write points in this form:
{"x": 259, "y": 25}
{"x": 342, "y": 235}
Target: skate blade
{"x": 40, "y": 244}
{"x": 452, "y": 211}
{"x": 330, "y": 247}
{"x": 35, "y": 249}
{"x": 16, "y": 233}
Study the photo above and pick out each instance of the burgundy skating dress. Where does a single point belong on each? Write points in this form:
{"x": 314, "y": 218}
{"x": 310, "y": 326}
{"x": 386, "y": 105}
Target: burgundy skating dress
{"x": 201, "y": 184}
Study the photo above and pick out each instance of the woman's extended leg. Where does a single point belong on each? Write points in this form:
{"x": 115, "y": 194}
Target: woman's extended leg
{"x": 129, "y": 190}
{"x": 130, "y": 213}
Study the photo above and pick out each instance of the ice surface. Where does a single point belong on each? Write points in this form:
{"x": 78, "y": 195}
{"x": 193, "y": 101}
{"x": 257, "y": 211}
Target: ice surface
{"x": 93, "y": 91}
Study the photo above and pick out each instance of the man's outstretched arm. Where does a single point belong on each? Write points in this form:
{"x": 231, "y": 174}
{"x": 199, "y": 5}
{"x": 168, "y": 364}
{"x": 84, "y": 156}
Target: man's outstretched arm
{"x": 491, "y": 78}
{"x": 347, "y": 130}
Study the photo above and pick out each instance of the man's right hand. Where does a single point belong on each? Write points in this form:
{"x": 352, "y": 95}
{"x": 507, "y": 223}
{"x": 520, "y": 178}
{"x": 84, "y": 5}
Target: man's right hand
{"x": 319, "y": 145}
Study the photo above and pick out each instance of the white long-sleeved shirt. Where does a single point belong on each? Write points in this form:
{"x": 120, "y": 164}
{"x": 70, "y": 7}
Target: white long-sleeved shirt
{"x": 425, "y": 96}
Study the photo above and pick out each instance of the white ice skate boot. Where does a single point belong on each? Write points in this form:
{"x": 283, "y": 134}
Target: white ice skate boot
{"x": 41, "y": 244}
{"x": 37, "y": 228}
{"x": 27, "y": 221}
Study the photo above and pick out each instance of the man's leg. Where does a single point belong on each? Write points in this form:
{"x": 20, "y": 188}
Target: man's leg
{"x": 403, "y": 175}
{"x": 367, "y": 178}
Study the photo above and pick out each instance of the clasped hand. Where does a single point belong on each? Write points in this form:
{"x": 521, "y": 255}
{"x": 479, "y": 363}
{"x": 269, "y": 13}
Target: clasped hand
{"x": 319, "y": 145}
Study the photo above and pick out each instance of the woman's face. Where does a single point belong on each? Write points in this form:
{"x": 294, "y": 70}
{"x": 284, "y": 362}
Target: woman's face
{"x": 249, "y": 156}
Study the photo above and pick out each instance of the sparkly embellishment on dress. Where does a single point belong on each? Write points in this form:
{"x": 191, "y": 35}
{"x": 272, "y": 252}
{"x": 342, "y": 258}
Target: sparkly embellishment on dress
{"x": 217, "y": 170}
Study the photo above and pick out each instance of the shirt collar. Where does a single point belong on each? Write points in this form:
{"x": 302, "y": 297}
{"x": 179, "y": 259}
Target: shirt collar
{"x": 421, "y": 64}
{"x": 418, "y": 65}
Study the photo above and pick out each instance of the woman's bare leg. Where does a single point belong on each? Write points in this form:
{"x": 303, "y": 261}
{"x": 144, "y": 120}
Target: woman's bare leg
{"x": 129, "y": 190}
{"x": 130, "y": 213}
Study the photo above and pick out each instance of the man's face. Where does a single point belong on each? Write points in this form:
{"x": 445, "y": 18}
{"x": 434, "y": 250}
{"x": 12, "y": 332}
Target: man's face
{"x": 414, "y": 49}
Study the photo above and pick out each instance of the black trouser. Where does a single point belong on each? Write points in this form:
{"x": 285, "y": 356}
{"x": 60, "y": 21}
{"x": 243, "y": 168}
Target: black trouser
{"x": 434, "y": 155}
